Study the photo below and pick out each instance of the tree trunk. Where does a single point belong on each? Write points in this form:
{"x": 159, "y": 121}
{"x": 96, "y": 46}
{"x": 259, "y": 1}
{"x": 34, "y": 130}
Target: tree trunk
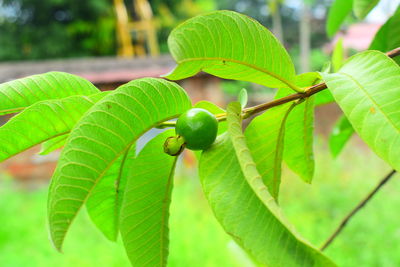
{"x": 305, "y": 36}
{"x": 277, "y": 22}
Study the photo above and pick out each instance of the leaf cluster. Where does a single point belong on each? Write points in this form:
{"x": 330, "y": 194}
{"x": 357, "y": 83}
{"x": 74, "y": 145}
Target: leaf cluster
{"x": 127, "y": 192}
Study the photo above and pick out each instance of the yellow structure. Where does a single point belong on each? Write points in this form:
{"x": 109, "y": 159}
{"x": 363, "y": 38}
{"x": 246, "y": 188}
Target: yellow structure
{"x": 143, "y": 29}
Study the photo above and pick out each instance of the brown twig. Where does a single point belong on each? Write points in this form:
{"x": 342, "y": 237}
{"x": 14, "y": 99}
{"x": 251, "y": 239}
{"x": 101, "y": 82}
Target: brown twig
{"x": 309, "y": 92}
{"x": 356, "y": 209}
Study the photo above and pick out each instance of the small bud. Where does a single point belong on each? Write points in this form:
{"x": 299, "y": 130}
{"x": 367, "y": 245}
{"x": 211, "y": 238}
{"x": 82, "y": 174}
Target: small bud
{"x": 174, "y": 145}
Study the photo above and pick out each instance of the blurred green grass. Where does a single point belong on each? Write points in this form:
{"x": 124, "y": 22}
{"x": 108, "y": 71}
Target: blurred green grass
{"x": 372, "y": 237}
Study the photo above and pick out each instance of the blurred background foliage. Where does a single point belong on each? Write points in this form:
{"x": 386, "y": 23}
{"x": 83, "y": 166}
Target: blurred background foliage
{"x": 43, "y": 29}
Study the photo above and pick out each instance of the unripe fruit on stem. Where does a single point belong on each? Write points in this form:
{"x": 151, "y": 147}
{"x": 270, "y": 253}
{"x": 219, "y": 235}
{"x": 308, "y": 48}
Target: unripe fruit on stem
{"x": 174, "y": 145}
{"x": 198, "y": 127}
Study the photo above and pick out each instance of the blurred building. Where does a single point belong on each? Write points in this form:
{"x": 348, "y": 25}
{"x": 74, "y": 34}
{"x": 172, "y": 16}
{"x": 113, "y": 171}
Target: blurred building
{"x": 357, "y": 37}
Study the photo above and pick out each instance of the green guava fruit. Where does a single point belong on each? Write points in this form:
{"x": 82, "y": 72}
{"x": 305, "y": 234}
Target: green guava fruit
{"x": 198, "y": 127}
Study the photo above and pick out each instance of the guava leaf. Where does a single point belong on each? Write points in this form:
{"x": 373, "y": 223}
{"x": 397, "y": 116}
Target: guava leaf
{"x": 53, "y": 144}
{"x": 367, "y": 89}
{"x": 104, "y": 202}
{"x": 338, "y": 12}
{"x": 299, "y": 136}
{"x": 388, "y": 36}
{"x": 231, "y": 46}
{"x": 43, "y": 121}
{"x": 265, "y": 137}
{"x": 105, "y": 133}
{"x": 340, "y": 135}
{"x": 21, "y": 93}
{"x": 243, "y": 206}
{"x": 326, "y": 67}
{"x": 243, "y": 97}
{"x": 145, "y": 208}
{"x": 299, "y": 132}
{"x": 363, "y": 7}
{"x": 338, "y": 55}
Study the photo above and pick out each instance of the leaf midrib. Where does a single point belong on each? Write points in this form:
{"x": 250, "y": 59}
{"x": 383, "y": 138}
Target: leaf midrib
{"x": 118, "y": 193}
{"x": 276, "y": 76}
{"x": 279, "y": 146}
{"x": 47, "y": 139}
{"x": 309, "y": 102}
{"x": 10, "y": 111}
{"x": 165, "y": 207}
{"x": 272, "y": 207}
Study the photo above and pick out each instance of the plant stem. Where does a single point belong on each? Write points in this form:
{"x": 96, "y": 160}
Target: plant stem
{"x": 247, "y": 112}
{"x": 356, "y": 209}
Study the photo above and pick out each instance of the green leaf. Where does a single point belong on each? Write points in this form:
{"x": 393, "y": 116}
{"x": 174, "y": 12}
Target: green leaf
{"x": 265, "y": 138}
{"x": 53, "y": 144}
{"x": 244, "y": 207}
{"x": 326, "y": 67}
{"x": 243, "y": 97}
{"x": 307, "y": 79}
{"x": 299, "y": 129}
{"x": 339, "y": 10}
{"x": 299, "y": 137}
{"x": 367, "y": 89}
{"x": 338, "y": 55}
{"x": 388, "y": 36}
{"x": 363, "y": 7}
{"x": 207, "y": 105}
{"x": 105, "y": 133}
{"x": 231, "y": 46}
{"x": 145, "y": 208}
{"x": 104, "y": 202}
{"x": 19, "y": 94}
{"x": 340, "y": 135}
{"x": 43, "y": 121}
